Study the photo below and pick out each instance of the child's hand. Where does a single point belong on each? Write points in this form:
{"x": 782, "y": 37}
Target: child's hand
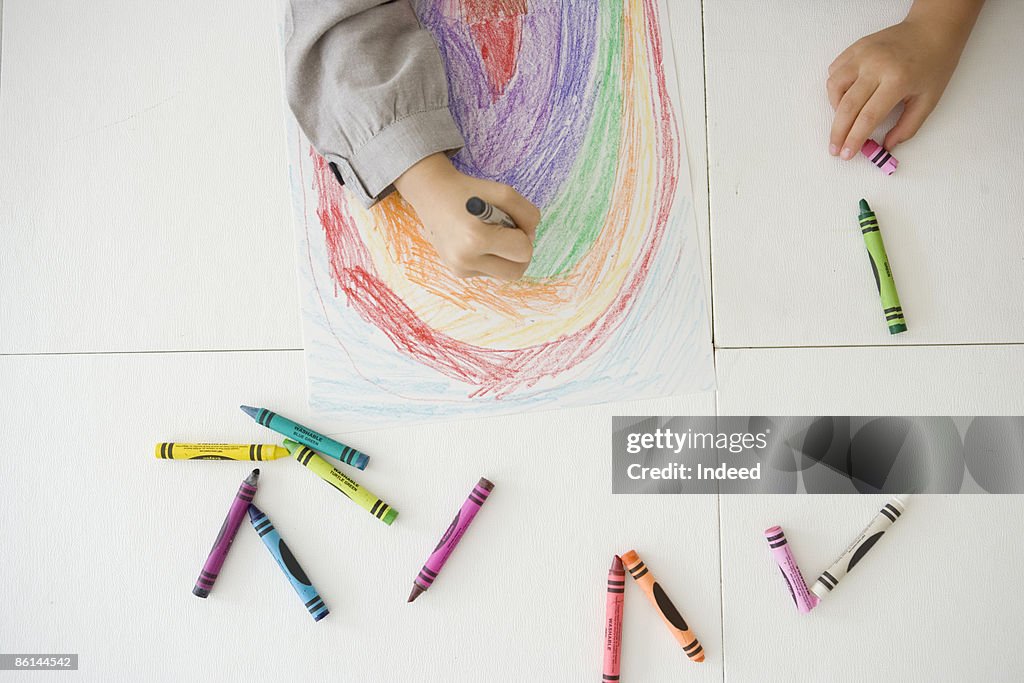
{"x": 468, "y": 246}
{"x": 910, "y": 62}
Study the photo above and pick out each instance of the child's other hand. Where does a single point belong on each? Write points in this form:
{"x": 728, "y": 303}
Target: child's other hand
{"x": 438, "y": 193}
{"x": 910, "y": 62}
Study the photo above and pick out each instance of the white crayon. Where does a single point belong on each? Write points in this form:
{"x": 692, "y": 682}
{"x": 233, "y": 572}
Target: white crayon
{"x": 831, "y": 577}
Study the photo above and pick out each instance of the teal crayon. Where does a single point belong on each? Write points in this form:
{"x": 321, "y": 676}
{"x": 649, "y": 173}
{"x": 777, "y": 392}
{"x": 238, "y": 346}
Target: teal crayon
{"x": 289, "y": 565}
{"x": 308, "y": 437}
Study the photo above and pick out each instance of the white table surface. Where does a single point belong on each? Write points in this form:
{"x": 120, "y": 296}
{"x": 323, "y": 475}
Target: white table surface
{"x": 147, "y": 288}
{"x": 788, "y": 258}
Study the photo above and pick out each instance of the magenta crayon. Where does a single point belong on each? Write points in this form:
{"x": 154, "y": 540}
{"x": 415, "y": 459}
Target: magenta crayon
{"x": 463, "y": 518}
{"x": 613, "y": 620}
{"x": 219, "y": 551}
{"x": 805, "y": 600}
{"x": 880, "y": 157}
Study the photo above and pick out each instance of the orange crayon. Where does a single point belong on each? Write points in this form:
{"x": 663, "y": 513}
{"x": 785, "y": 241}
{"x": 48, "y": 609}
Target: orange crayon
{"x": 669, "y": 614}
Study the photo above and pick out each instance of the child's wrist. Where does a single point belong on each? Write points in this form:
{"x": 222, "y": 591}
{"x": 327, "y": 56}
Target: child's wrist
{"x": 419, "y": 178}
{"x": 947, "y": 21}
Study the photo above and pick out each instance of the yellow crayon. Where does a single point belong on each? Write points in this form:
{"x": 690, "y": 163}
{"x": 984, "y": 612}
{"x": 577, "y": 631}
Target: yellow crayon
{"x": 341, "y": 481}
{"x": 220, "y": 451}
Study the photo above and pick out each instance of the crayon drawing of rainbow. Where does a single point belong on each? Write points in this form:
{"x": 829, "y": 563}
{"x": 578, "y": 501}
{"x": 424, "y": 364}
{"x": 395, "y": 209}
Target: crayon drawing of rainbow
{"x": 574, "y": 104}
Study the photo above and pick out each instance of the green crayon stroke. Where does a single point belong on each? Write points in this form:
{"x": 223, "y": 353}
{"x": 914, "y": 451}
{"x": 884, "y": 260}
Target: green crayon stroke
{"x": 573, "y": 220}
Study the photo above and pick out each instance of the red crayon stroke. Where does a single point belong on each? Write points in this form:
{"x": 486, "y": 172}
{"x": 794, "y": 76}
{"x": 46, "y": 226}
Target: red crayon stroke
{"x": 498, "y": 372}
{"x": 497, "y": 29}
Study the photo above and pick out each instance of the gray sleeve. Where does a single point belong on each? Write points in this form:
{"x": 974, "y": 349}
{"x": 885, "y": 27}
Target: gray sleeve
{"x": 367, "y": 85}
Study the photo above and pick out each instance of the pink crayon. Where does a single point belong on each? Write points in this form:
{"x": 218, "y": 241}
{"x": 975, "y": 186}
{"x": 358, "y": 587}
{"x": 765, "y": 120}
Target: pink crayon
{"x": 805, "y": 600}
{"x": 451, "y": 537}
{"x": 221, "y": 546}
{"x": 880, "y": 157}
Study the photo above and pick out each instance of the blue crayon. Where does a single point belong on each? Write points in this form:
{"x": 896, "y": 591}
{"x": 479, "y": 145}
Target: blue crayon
{"x": 289, "y": 565}
{"x": 307, "y": 437}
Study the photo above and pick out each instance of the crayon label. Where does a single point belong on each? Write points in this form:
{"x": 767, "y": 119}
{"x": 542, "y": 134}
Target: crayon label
{"x": 307, "y": 434}
{"x": 292, "y": 564}
{"x": 448, "y": 532}
{"x": 668, "y": 609}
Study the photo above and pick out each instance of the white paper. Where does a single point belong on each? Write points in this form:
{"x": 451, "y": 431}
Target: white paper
{"x": 576, "y": 106}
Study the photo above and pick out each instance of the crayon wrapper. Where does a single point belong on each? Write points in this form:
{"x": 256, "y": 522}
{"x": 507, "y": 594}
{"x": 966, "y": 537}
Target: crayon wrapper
{"x": 452, "y": 536}
{"x": 234, "y": 519}
{"x": 880, "y": 157}
{"x": 318, "y": 442}
{"x": 879, "y": 525}
{"x": 351, "y": 488}
{"x": 886, "y": 283}
{"x": 290, "y": 566}
{"x": 853, "y": 554}
{"x": 805, "y": 600}
{"x": 613, "y": 629}
{"x": 221, "y": 546}
{"x": 665, "y": 607}
{"x": 219, "y": 451}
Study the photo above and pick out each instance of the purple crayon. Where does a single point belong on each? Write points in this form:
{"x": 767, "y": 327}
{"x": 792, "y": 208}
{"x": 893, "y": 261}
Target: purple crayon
{"x": 451, "y": 537}
{"x": 219, "y": 551}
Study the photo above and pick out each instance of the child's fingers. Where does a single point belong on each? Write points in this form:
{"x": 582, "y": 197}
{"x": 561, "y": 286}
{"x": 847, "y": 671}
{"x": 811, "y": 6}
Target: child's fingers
{"x": 838, "y": 83}
{"x": 503, "y": 269}
{"x": 840, "y": 60}
{"x": 464, "y": 273}
{"x": 914, "y": 114}
{"x": 848, "y": 110}
{"x": 521, "y": 210}
{"x": 513, "y": 245}
{"x": 872, "y": 114}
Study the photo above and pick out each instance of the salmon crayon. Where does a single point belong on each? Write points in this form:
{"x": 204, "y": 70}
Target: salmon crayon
{"x": 659, "y": 598}
{"x": 307, "y": 437}
{"x": 221, "y": 546}
{"x": 256, "y": 452}
{"x": 613, "y": 619}
{"x": 288, "y": 564}
{"x": 880, "y": 157}
{"x": 867, "y": 539}
{"x": 463, "y": 518}
{"x": 805, "y": 600}
{"x": 342, "y": 482}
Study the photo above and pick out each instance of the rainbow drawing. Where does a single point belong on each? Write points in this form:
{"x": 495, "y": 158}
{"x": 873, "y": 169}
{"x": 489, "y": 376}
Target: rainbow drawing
{"x": 575, "y": 105}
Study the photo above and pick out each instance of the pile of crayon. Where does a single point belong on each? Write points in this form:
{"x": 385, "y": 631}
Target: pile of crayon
{"x": 807, "y": 599}
{"x": 658, "y": 598}
{"x": 308, "y": 447}
{"x": 240, "y": 505}
{"x": 304, "y": 444}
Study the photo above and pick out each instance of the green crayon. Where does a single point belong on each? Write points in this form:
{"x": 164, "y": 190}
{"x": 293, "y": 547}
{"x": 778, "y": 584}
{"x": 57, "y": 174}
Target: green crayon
{"x": 342, "y": 482}
{"x": 883, "y": 273}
